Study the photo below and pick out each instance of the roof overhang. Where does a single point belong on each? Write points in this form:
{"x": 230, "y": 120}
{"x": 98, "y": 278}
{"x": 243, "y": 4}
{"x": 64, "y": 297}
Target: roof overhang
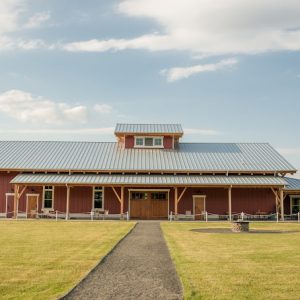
{"x": 148, "y": 180}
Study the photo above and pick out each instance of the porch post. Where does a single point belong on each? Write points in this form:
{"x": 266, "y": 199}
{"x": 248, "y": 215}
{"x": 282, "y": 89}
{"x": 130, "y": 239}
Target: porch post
{"x": 176, "y": 202}
{"x": 122, "y": 200}
{"x": 16, "y": 188}
{"x": 229, "y": 203}
{"x": 281, "y": 204}
{"x": 68, "y": 203}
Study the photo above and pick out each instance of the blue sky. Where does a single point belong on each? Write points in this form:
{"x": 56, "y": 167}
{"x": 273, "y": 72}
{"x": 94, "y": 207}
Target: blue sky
{"x": 229, "y": 71}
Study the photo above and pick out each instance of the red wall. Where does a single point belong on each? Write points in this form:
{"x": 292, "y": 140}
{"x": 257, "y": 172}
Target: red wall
{"x": 243, "y": 199}
{"x": 129, "y": 141}
{"x": 168, "y": 142}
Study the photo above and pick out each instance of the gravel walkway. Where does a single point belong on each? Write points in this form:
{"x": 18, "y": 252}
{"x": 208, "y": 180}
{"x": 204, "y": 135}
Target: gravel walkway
{"x": 140, "y": 267}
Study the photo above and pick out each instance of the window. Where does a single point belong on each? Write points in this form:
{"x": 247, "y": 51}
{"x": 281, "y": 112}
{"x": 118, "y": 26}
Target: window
{"x": 158, "y": 141}
{"x": 98, "y": 198}
{"x": 148, "y": 142}
{"x": 159, "y": 196}
{"x": 48, "y": 197}
{"x": 139, "y": 141}
{"x": 295, "y": 204}
{"x": 138, "y": 196}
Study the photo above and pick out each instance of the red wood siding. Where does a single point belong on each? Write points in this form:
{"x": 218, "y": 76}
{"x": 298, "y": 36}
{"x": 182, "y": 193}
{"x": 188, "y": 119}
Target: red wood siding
{"x": 253, "y": 200}
{"x": 111, "y": 203}
{"x": 248, "y": 200}
{"x": 243, "y": 200}
{"x": 5, "y": 187}
{"x": 129, "y": 141}
{"x": 168, "y": 142}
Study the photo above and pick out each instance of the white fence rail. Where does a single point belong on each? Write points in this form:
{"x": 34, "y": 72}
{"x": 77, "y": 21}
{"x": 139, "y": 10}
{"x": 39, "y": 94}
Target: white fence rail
{"x": 207, "y": 216}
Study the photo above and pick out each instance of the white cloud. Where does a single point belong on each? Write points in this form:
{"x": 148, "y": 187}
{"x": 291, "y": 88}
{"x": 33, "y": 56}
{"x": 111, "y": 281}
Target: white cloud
{"x": 11, "y": 21}
{"x": 174, "y": 74}
{"x": 9, "y": 15}
{"x": 206, "y": 27}
{"x": 38, "y": 19}
{"x": 26, "y": 107}
{"x": 103, "y": 108}
{"x": 201, "y": 131}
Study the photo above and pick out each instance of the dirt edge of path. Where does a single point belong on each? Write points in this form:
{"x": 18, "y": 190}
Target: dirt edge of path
{"x": 173, "y": 263}
{"x": 98, "y": 263}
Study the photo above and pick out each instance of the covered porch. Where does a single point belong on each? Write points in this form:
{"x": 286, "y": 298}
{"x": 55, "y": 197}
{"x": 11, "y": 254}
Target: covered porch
{"x": 104, "y": 196}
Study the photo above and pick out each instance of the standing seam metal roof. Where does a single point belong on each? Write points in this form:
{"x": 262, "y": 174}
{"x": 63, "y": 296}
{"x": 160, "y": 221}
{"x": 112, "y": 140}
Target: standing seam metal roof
{"x": 188, "y": 157}
{"x": 190, "y": 180}
{"x": 149, "y": 128}
{"x": 293, "y": 184}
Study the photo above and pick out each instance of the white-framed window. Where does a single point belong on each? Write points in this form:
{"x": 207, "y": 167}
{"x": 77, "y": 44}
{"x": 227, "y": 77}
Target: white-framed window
{"x": 295, "y": 204}
{"x": 98, "y": 197}
{"x": 148, "y": 142}
{"x": 48, "y": 197}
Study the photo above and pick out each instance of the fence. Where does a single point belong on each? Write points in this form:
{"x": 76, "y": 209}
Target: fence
{"x": 59, "y": 215}
{"x": 206, "y": 216}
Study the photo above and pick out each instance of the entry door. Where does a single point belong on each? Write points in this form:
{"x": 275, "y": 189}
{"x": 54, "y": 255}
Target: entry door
{"x": 139, "y": 205}
{"x": 199, "y": 207}
{"x": 9, "y": 206}
{"x": 32, "y": 206}
{"x": 159, "y": 205}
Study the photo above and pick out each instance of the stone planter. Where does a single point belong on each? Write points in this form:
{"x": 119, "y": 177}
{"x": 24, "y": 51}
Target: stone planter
{"x": 240, "y": 226}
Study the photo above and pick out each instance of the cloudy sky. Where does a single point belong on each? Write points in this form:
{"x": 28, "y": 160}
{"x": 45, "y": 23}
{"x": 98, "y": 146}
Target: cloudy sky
{"x": 229, "y": 71}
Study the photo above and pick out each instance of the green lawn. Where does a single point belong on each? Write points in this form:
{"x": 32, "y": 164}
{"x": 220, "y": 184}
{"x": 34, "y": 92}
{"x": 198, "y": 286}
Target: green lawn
{"x": 236, "y": 266}
{"x": 44, "y": 259}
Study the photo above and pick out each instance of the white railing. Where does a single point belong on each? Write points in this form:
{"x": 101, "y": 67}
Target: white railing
{"x": 207, "y": 216}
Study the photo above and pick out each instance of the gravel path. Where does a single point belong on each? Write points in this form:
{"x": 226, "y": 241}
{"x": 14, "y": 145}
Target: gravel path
{"x": 140, "y": 267}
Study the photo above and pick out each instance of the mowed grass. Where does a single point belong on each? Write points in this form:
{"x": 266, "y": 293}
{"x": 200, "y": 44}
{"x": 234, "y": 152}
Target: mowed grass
{"x": 236, "y": 266}
{"x": 44, "y": 259}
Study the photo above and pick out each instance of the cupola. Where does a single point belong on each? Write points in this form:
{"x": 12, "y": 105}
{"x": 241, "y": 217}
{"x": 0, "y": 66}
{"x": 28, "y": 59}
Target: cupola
{"x": 148, "y": 136}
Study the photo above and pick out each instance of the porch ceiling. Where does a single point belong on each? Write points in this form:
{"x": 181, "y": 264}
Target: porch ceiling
{"x": 154, "y": 180}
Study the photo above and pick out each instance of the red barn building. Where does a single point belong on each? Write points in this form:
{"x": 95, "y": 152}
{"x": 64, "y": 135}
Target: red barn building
{"x": 148, "y": 173}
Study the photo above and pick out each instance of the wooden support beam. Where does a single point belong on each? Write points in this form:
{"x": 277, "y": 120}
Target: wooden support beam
{"x": 281, "y": 204}
{"x": 180, "y": 196}
{"x": 68, "y": 203}
{"x": 229, "y": 204}
{"x": 21, "y": 193}
{"x": 122, "y": 200}
{"x": 277, "y": 199}
{"x": 117, "y": 195}
{"x": 176, "y": 201}
{"x": 16, "y": 191}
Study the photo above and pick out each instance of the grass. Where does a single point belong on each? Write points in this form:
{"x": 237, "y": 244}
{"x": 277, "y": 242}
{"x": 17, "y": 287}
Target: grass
{"x": 44, "y": 259}
{"x": 236, "y": 266}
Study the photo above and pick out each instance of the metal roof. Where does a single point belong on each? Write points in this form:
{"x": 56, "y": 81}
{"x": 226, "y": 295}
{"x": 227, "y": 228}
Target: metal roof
{"x": 149, "y": 128}
{"x": 293, "y": 184}
{"x": 188, "y": 157}
{"x": 166, "y": 180}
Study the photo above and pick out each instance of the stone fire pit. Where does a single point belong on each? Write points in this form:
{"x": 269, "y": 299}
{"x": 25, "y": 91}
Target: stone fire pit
{"x": 240, "y": 226}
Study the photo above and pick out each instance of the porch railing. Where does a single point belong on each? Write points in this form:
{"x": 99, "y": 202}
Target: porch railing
{"x": 207, "y": 216}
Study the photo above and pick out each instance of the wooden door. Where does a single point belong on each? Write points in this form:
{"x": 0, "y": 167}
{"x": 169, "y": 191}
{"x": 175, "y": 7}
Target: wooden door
{"x": 139, "y": 205}
{"x": 10, "y": 206}
{"x": 199, "y": 207}
{"x": 32, "y": 206}
{"x": 159, "y": 205}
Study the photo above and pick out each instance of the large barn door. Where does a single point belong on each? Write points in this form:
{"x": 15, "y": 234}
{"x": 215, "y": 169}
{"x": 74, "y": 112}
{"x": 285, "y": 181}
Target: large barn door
{"x": 149, "y": 204}
{"x": 139, "y": 205}
{"x": 159, "y": 205}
